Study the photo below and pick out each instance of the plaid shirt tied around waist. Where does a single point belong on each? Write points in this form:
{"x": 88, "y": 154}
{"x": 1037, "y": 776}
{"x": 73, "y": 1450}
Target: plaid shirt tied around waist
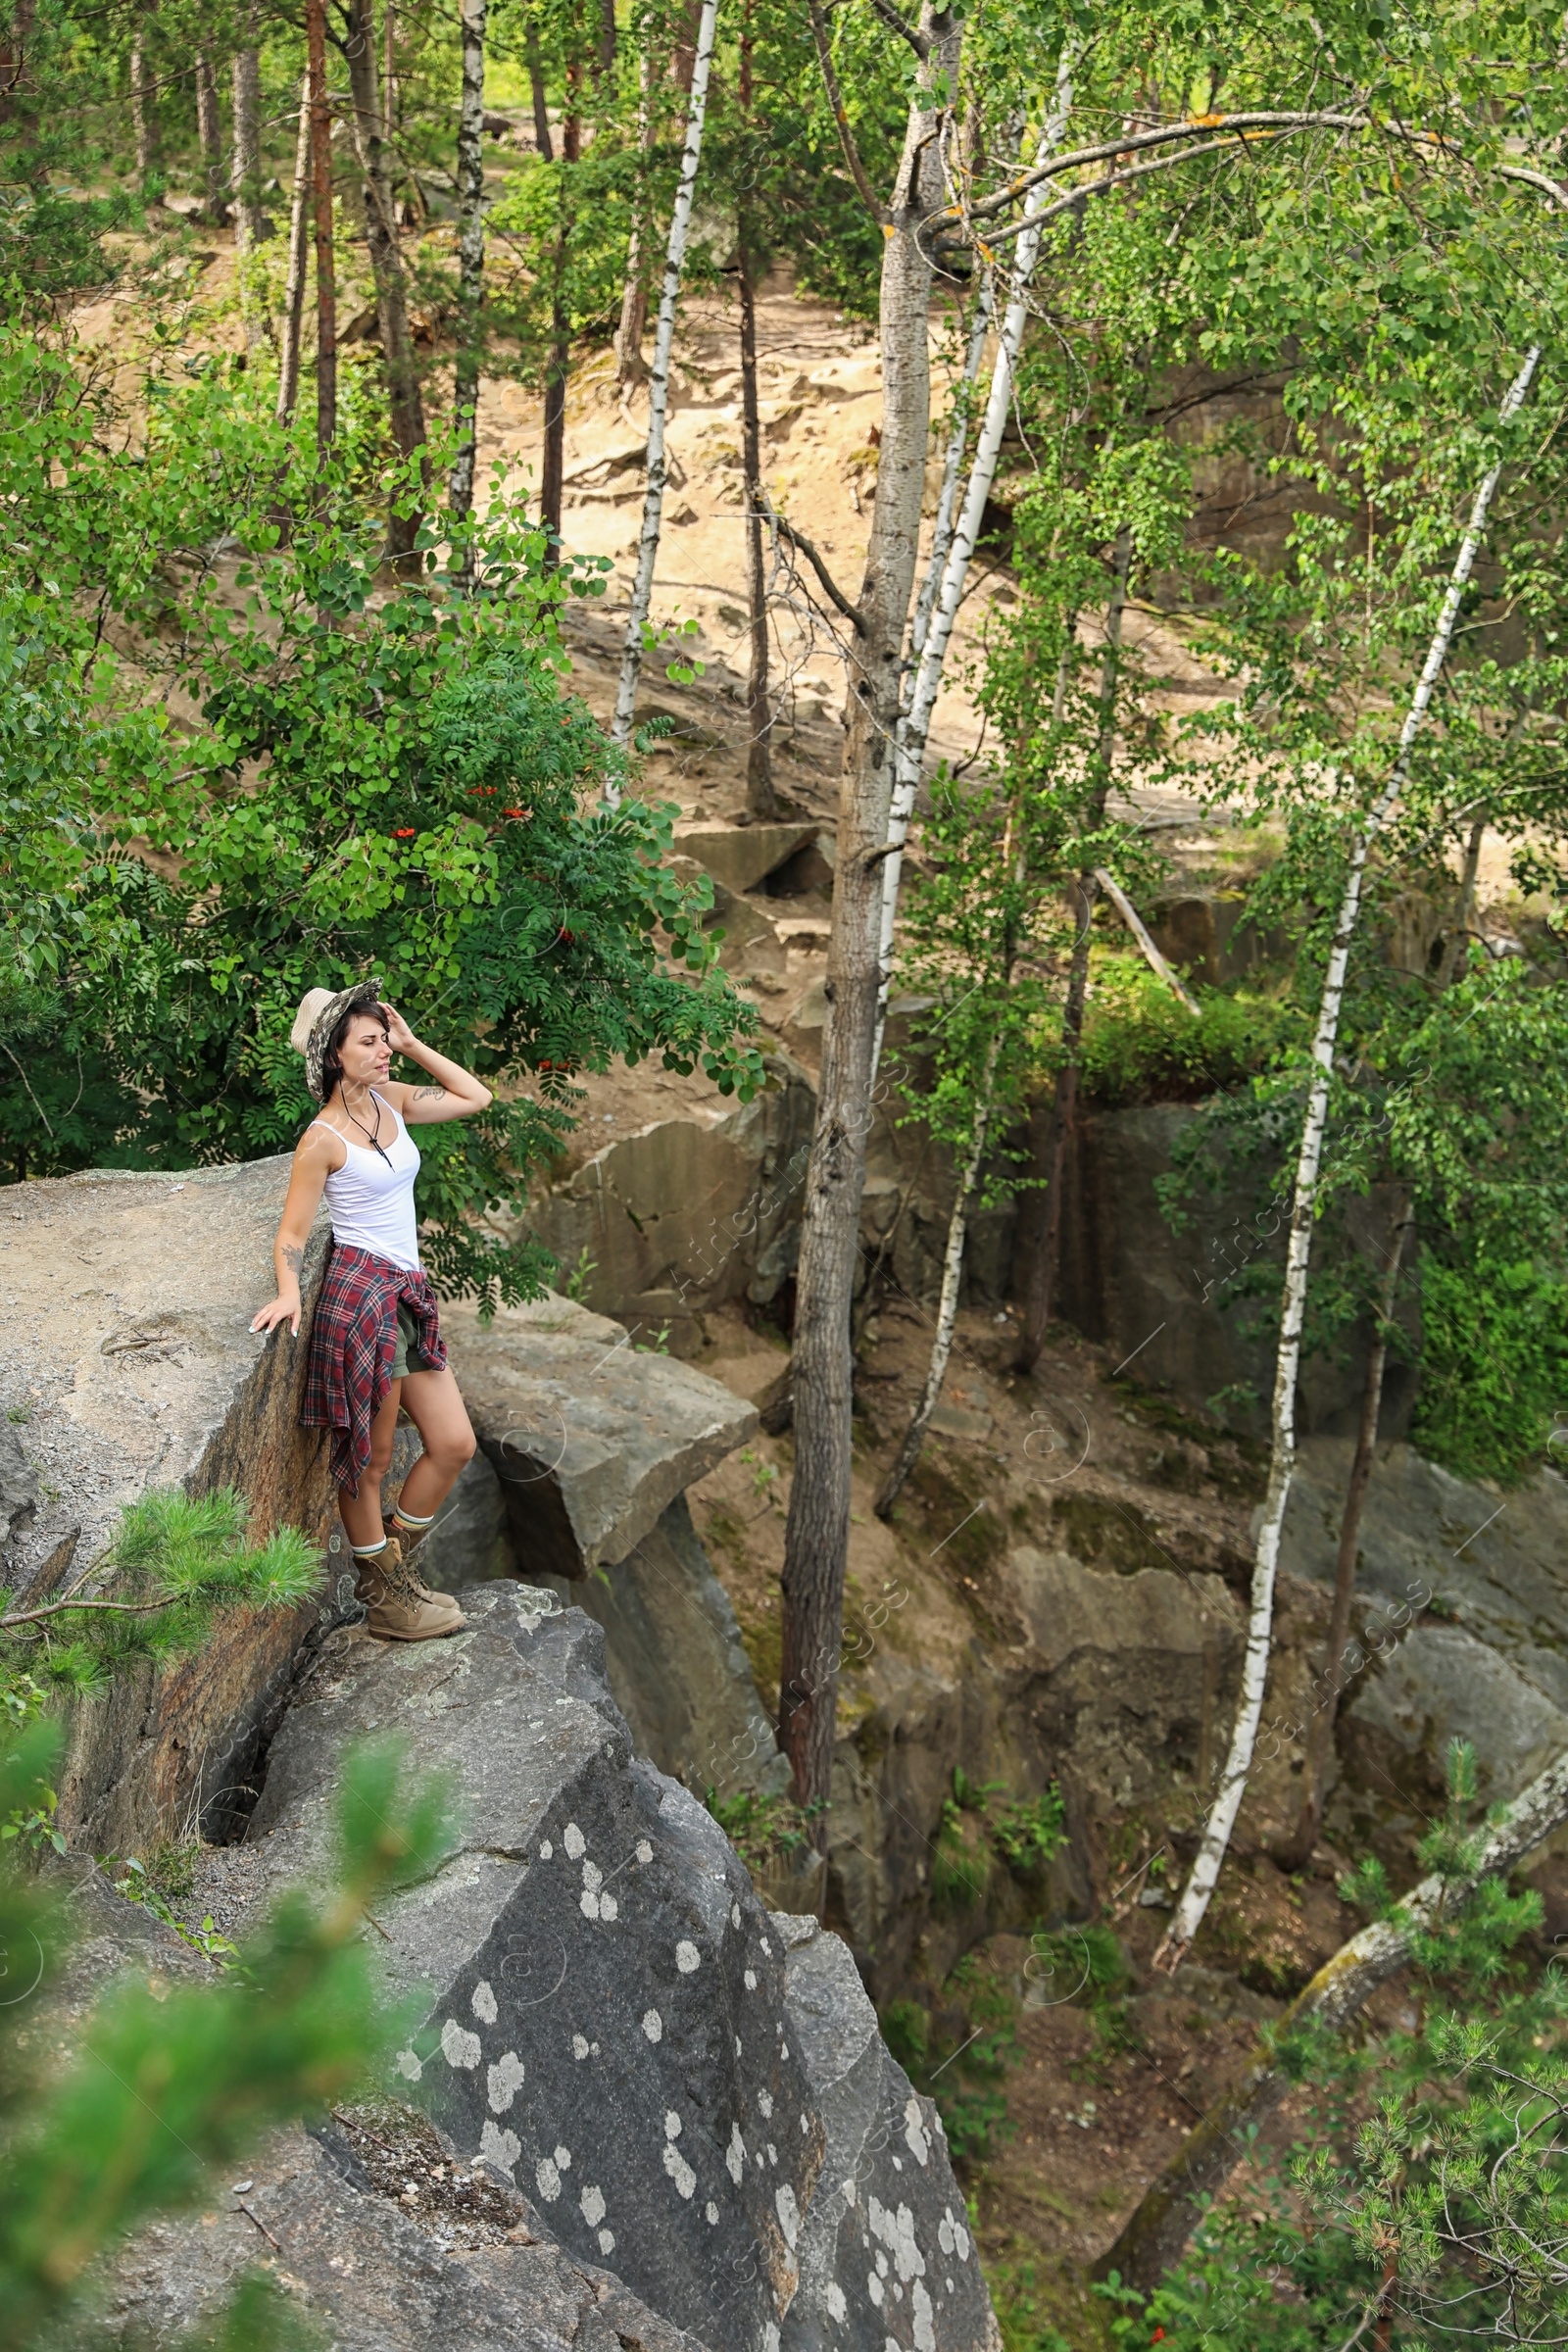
{"x": 354, "y": 1339}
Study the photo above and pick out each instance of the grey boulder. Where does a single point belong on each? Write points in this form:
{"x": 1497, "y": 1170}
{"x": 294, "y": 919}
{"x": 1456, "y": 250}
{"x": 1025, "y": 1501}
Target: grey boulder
{"x": 611, "y": 2017}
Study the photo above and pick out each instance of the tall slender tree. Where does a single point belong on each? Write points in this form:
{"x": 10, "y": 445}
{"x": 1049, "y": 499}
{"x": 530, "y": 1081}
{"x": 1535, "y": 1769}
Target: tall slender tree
{"x": 209, "y": 138}
{"x": 470, "y": 253}
{"x": 405, "y": 399}
{"x": 249, "y": 220}
{"x": 299, "y": 237}
{"x": 818, "y": 1524}
{"x": 1221, "y": 1818}
{"x": 326, "y": 259}
{"x": 631, "y": 657}
{"x": 558, "y": 362}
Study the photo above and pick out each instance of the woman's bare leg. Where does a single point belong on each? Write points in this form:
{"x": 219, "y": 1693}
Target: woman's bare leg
{"x": 361, "y": 1512}
{"x": 434, "y": 1404}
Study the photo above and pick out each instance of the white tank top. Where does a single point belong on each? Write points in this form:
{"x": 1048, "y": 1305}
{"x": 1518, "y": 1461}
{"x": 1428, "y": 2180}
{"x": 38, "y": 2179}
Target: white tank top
{"x": 371, "y": 1199}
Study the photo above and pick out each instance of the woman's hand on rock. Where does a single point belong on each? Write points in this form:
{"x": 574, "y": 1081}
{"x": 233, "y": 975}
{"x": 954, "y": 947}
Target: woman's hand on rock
{"x": 276, "y": 1311}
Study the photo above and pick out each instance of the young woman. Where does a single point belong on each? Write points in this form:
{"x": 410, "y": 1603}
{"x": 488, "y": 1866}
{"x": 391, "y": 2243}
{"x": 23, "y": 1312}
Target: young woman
{"x": 375, "y": 1343}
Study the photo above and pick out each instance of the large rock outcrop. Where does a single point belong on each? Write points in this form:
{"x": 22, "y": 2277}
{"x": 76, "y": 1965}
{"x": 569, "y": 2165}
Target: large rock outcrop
{"x": 587, "y": 1445}
{"x": 1467, "y": 1590}
{"x": 127, "y": 1363}
{"x": 690, "y": 2090}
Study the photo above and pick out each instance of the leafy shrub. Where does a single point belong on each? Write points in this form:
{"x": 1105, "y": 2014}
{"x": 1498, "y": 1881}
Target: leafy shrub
{"x": 1140, "y": 1045}
{"x": 761, "y": 1829}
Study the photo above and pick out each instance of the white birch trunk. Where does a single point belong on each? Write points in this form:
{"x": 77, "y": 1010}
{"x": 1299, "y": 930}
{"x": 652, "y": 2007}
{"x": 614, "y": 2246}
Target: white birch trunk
{"x": 298, "y": 233}
{"x": 632, "y": 658}
{"x": 957, "y": 442}
{"x": 947, "y": 1306}
{"x": 470, "y": 254}
{"x": 1201, "y": 1884}
{"x": 916, "y": 722}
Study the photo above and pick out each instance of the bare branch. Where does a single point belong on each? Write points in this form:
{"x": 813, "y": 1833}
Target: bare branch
{"x": 905, "y": 32}
{"x": 1136, "y": 925}
{"x": 52, "y": 1608}
{"x": 835, "y": 98}
{"x": 831, "y": 588}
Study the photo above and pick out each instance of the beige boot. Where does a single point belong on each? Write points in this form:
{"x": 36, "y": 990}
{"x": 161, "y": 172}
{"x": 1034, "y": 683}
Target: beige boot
{"x": 397, "y": 1606}
{"x": 408, "y": 1546}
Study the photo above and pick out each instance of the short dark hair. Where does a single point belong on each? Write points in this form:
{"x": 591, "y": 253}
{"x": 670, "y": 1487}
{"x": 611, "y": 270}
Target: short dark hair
{"x": 331, "y": 1065}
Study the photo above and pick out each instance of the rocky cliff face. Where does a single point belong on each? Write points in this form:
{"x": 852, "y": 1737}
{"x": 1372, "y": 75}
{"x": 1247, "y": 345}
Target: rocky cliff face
{"x": 127, "y": 1361}
{"x": 689, "y": 2091}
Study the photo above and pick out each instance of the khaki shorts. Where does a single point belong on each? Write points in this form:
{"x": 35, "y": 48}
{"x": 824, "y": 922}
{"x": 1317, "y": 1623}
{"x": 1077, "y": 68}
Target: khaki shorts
{"x": 406, "y": 1357}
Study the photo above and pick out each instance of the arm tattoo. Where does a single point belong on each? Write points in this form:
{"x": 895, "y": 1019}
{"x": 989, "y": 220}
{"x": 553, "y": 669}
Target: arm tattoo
{"x": 294, "y": 1260}
{"x": 429, "y": 1093}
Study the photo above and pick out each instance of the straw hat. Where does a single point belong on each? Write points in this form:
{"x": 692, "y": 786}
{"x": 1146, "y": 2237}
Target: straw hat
{"x": 321, "y": 1010}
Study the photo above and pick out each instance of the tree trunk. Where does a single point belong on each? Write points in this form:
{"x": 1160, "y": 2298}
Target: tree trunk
{"x": 658, "y": 388}
{"x": 948, "y": 497}
{"x": 606, "y": 59}
{"x": 471, "y": 265}
{"x": 1296, "y": 1851}
{"x": 1065, "y": 1103}
{"x": 558, "y": 368}
{"x": 947, "y": 1308}
{"x": 405, "y": 401}
{"x": 817, "y": 1527}
{"x": 209, "y": 137}
{"x": 391, "y": 95}
{"x": 1152, "y": 2240}
{"x": 17, "y": 107}
{"x": 143, "y": 103}
{"x": 325, "y": 266}
{"x": 1457, "y": 946}
{"x": 761, "y": 797}
{"x": 630, "y": 367}
{"x": 251, "y": 227}
{"x": 536, "y": 91}
{"x": 288, "y": 365}
{"x": 936, "y": 638}
{"x": 1204, "y": 1873}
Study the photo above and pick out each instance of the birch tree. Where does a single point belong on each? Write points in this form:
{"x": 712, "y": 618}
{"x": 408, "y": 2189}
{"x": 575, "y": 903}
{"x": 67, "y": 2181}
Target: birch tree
{"x": 1232, "y": 1787}
{"x": 659, "y": 390}
{"x": 470, "y": 253}
{"x": 209, "y": 138}
{"x": 298, "y": 233}
{"x": 250, "y": 222}
{"x": 404, "y": 400}
{"x": 933, "y": 637}
{"x": 322, "y": 202}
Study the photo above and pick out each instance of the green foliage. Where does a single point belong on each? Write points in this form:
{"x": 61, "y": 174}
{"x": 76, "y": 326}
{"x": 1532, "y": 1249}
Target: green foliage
{"x": 959, "y": 2055}
{"x": 1141, "y": 1044}
{"x": 980, "y": 1825}
{"x": 763, "y": 1828}
{"x": 1030, "y": 1833}
{"x": 389, "y": 781}
{"x": 176, "y": 1563}
{"x": 158, "y": 2088}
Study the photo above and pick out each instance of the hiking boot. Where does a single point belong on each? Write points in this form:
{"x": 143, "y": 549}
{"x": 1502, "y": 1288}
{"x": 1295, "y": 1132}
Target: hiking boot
{"x": 398, "y": 1608}
{"x": 407, "y": 1544}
